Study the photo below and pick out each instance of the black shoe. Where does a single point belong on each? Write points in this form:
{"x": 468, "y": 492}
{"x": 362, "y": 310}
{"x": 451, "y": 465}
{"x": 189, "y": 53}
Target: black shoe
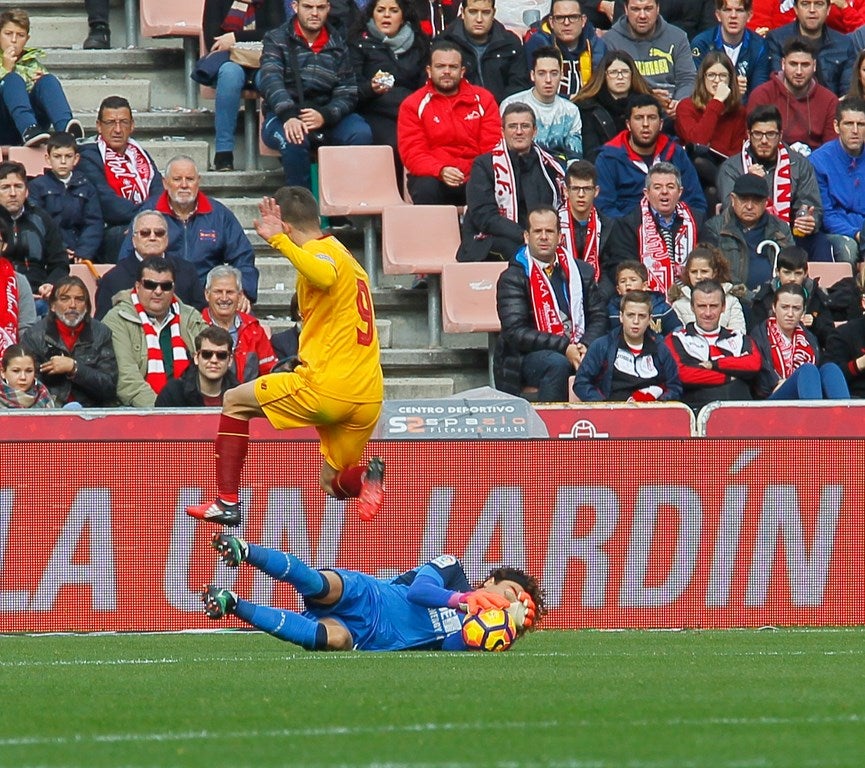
{"x": 34, "y": 135}
{"x": 217, "y": 602}
{"x": 223, "y": 161}
{"x": 219, "y": 511}
{"x": 98, "y": 39}
{"x": 74, "y": 128}
{"x": 232, "y": 549}
{"x": 340, "y": 224}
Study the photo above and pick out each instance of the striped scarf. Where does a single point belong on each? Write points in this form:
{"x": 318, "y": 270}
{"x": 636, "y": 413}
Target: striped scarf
{"x": 8, "y": 305}
{"x": 663, "y": 263}
{"x": 240, "y": 16}
{"x": 156, "y": 376}
{"x": 788, "y": 354}
{"x": 781, "y": 192}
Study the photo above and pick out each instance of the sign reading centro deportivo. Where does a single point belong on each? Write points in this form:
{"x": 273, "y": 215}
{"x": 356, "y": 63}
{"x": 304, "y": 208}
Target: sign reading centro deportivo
{"x": 711, "y": 533}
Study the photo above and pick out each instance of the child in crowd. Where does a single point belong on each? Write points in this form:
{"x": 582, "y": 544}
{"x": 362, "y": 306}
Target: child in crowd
{"x": 791, "y": 267}
{"x": 30, "y": 98}
{"x": 706, "y": 262}
{"x": 70, "y": 198}
{"x": 19, "y": 387}
{"x": 633, "y": 276}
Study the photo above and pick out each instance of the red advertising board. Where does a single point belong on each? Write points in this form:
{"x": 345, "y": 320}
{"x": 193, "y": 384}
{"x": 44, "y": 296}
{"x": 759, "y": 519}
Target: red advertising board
{"x": 622, "y": 533}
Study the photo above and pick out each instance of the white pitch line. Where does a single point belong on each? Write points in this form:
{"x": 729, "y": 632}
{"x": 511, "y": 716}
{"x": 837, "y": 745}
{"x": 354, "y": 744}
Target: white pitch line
{"x": 334, "y": 731}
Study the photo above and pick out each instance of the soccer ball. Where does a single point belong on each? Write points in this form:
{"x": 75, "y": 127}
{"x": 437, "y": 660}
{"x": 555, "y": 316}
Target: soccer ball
{"x": 490, "y": 630}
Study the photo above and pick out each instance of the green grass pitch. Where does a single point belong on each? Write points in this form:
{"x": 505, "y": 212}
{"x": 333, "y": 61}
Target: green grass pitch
{"x": 732, "y": 699}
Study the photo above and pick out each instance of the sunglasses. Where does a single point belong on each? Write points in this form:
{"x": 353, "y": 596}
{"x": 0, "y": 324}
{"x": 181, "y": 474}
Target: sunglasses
{"x": 209, "y": 354}
{"x": 149, "y": 232}
{"x": 152, "y": 285}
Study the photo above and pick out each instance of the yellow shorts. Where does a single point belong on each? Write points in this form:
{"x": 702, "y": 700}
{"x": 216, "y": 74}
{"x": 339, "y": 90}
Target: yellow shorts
{"x": 344, "y": 428}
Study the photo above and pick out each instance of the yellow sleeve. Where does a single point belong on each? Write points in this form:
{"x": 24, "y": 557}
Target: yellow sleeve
{"x": 318, "y": 268}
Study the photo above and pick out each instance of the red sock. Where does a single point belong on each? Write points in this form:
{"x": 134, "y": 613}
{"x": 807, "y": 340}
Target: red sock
{"x": 232, "y": 440}
{"x": 347, "y": 484}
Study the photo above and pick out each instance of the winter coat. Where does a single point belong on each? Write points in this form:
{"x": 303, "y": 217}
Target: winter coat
{"x": 95, "y": 380}
{"x": 767, "y": 379}
{"x": 816, "y": 304}
{"x": 603, "y": 119}
{"x": 841, "y": 180}
{"x": 844, "y": 345}
{"x": 116, "y": 210}
{"x": 434, "y": 130}
{"x": 130, "y": 348}
{"x": 732, "y": 316}
{"x": 75, "y": 209}
{"x": 502, "y": 68}
{"x": 578, "y": 64}
{"x": 664, "y": 320}
{"x": 209, "y": 237}
{"x": 835, "y": 56}
{"x": 520, "y": 334}
{"x": 269, "y": 15}
{"x": 594, "y": 379}
{"x": 36, "y": 250}
{"x": 253, "y": 353}
{"x": 185, "y": 392}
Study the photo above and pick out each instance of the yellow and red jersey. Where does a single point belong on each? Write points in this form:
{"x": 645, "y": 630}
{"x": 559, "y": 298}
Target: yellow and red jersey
{"x": 339, "y": 350}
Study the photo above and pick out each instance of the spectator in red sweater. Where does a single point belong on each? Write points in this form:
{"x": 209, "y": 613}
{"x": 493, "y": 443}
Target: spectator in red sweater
{"x": 711, "y": 123}
{"x": 807, "y": 108}
{"x": 844, "y": 15}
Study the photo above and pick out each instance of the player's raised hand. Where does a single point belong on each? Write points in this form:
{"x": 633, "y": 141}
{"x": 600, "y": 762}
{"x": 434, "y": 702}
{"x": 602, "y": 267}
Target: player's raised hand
{"x": 270, "y": 223}
{"x": 481, "y": 600}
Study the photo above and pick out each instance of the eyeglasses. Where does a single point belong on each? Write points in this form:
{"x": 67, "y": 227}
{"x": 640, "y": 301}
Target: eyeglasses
{"x": 618, "y": 72}
{"x": 717, "y": 76}
{"x": 118, "y": 123}
{"x": 152, "y": 285}
{"x": 581, "y": 190}
{"x": 148, "y": 232}
{"x": 209, "y": 354}
{"x": 569, "y": 18}
{"x": 760, "y": 135}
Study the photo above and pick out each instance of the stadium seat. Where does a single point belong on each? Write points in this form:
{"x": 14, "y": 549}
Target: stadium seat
{"x": 32, "y": 158}
{"x": 170, "y": 18}
{"x": 405, "y": 252}
{"x": 90, "y": 274}
{"x": 358, "y": 181}
{"x": 829, "y": 272}
{"x": 469, "y": 301}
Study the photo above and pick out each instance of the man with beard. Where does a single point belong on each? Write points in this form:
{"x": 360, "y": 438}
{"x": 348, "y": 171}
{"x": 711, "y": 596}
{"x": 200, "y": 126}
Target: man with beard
{"x": 442, "y": 127}
{"x": 73, "y": 351}
{"x": 623, "y": 162}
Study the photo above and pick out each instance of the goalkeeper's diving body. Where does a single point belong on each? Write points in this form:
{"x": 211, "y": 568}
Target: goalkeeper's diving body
{"x": 421, "y": 609}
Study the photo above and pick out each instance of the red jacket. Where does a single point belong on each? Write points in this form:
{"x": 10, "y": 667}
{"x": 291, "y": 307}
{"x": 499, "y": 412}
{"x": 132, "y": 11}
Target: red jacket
{"x": 253, "y": 353}
{"x": 722, "y": 131}
{"x": 809, "y": 119}
{"x": 434, "y": 130}
{"x": 768, "y": 13}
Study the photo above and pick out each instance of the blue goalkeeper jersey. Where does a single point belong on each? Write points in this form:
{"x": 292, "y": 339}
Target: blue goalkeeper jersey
{"x": 381, "y": 616}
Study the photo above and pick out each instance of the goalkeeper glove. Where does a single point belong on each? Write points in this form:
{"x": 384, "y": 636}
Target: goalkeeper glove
{"x": 526, "y": 599}
{"x": 480, "y": 600}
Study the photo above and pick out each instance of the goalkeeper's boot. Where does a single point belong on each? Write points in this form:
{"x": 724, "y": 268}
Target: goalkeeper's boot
{"x": 372, "y": 490}
{"x": 218, "y": 602}
{"x": 232, "y": 549}
{"x": 218, "y": 511}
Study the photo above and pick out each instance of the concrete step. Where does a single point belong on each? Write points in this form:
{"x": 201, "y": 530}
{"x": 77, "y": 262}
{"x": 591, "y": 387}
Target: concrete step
{"x": 467, "y": 367}
{"x": 407, "y": 388}
{"x": 59, "y": 31}
{"x": 162, "y": 151}
{"x": 245, "y": 208}
{"x": 161, "y": 122}
{"x": 85, "y": 95}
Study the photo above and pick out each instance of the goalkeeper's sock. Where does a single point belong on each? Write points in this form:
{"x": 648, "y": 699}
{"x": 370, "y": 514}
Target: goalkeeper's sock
{"x": 283, "y": 566}
{"x": 286, "y": 625}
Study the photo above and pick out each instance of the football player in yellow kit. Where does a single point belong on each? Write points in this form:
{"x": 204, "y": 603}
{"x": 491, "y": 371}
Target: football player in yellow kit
{"x": 337, "y": 387}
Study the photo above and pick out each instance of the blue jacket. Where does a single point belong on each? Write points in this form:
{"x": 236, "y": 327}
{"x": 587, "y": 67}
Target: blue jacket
{"x": 664, "y": 319}
{"x": 622, "y": 176}
{"x": 594, "y": 380}
{"x": 841, "y": 179}
{"x": 210, "y": 237}
{"x": 588, "y": 44}
{"x": 753, "y": 57}
{"x": 116, "y": 210}
{"x": 75, "y": 209}
{"x": 835, "y": 57}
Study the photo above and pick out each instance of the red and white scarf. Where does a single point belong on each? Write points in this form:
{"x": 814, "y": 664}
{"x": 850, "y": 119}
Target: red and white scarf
{"x": 548, "y": 318}
{"x": 240, "y": 16}
{"x": 129, "y": 174}
{"x": 592, "y": 252}
{"x": 8, "y": 305}
{"x": 156, "y": 376}
{"x": 664, "y": 267}
{"x": 505, "y": 184}
{"x": 788, "y": 354}
{"x": 781, "y": 193}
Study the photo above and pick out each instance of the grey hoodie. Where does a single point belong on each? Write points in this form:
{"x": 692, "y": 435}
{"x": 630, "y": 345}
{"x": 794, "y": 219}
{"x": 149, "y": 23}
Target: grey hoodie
{"x": 664, "y": 58}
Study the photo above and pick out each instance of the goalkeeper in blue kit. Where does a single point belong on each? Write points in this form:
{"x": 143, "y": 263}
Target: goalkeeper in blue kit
{"x": 421, "y": 609}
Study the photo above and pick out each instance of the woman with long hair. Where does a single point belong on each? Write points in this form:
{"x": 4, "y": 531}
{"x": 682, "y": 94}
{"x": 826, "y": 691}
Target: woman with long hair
{"x": 390, "y": 54}
{"x": 857, "y": 82}
{"x": 711, "y": 122}
{"x": 603, "y": 100}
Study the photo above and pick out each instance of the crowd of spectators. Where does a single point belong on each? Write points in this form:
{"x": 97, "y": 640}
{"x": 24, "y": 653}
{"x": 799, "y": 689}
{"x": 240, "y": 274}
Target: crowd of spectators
{"x": 656, "y": 173}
